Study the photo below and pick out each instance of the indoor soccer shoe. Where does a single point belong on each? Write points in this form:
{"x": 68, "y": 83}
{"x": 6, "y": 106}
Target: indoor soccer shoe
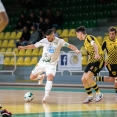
{"x": 41, "y": 79}
{"x": 5, "y": 113}
{"x": 98, "y": 97}
{"x": 88, "y": 100}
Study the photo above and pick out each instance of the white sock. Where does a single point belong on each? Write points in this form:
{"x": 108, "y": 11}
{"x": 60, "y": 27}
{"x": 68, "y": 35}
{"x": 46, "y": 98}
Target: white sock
{"x": 48, "y": 87}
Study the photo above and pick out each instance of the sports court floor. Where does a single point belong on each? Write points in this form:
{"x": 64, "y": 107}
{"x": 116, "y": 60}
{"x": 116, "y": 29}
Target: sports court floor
{"x": 63, "y": 102}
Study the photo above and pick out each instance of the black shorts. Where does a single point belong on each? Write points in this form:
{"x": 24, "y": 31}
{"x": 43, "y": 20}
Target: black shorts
{"x": 95, "y": 67}
{"x": 112, "y": 68}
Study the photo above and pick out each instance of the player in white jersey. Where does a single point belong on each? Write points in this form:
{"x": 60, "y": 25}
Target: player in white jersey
{"x": 51, "y": 49}
{"x": 3, "y": 17}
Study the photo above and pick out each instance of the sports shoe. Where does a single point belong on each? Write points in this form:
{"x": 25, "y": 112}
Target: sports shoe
{"x": 98, "y": 97}
{"x": 88, "y": 100}
{"x": 5, "y": 113}
{"x": 41, "y": 79}
{"x": 46, "y": 97}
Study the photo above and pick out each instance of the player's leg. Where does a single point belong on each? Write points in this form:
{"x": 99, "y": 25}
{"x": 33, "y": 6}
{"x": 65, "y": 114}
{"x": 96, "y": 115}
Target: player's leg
{"x": 115, "y": 85}
{"x": 103, "y": 79}
{"x": 88, "y": 89}
{"x": 50, "y": 73}
{"x": 4, "y": 20}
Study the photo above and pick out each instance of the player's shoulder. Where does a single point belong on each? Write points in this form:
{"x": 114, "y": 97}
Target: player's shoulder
{"x": 91, "y": 37}
{"x": 58, "y": 39}
{"x": 43, "y": 40}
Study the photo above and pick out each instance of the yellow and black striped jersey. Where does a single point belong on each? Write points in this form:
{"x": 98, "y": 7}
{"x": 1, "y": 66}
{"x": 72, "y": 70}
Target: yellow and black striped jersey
{"x": 90, "y": 49}
{"x": 111, "y": 49}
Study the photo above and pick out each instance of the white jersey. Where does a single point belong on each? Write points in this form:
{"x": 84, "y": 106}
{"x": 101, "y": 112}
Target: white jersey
{"x": 51, "y": 50}
{"x": 2, "y": 9}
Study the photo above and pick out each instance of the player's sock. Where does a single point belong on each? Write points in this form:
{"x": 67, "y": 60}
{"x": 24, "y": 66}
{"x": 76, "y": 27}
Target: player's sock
{"x": 89, "y": 92}
{"x": 48, "y": 87}
{"x": 99, "y": 78}
{"x": 96, "y": 88}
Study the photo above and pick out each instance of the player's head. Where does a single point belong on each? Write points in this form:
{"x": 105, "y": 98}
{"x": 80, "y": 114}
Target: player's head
{"x": 81, "y": 32}
{"x": 50, "y": 35}
{"x": 112, "y": 33}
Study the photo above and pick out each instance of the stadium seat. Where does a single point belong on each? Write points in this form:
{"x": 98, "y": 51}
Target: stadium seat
{"x": 84, "y": 60}
{"x": 21, "y": 52}
{"x": 99, "y": 38}
{"x": 65, "y": 39}
{"x": 40, "y": 51}
{"x": 16, "y": 51}
{"x": 83, "y": 51}
{"x": 12, "y": 61}
{"x": 4, "y": 43}
{"x": 35, "y": 52}
{"x": 6, "y": 60}
{"x": 2, "y": 50}
{"x": 19, "y": 34}
{"x": 59, "y": 31}
{"x": 26, "y": 61}
{"x": 72, "y": 33}
{"x": 34, "y": 61}
{"x": 11, "y": 43}
{"x": 7, "y": 35}
{"x": 72, "y": 24}
{"x": 13, "y": 35}
{"x": 65, "y": 25}
{"x": 20, "y": 61}
{"x": 2, "y": 35}
{"x": 65, "y": 33}
{"x": 9, "y": 50}
{"x": 106, "y": 37}
{"x": 0, "y": 42}
{"x": 28, "y": 52}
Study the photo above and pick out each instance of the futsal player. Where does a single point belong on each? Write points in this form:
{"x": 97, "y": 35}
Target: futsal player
{"x": 3, "y": 17}
{"x": 110, "y": 45}
{"x": 95, "y": 63}
{"x": 48, "y": 62}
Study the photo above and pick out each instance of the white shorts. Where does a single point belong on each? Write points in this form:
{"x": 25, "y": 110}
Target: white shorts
{"x": 47, "y": 68}
{"x": 2, "y": 9}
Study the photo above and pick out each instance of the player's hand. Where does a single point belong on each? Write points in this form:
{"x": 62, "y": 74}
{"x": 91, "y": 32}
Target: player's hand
{"x": 20, "y": 47}
{"x": 97, "y": 56}
{"x": 77, "y": 51}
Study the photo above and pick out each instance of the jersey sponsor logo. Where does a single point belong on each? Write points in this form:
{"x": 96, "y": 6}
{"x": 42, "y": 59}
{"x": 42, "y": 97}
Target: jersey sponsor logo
{"x": 64, "y": 60}
{"x": 51, "y": 49}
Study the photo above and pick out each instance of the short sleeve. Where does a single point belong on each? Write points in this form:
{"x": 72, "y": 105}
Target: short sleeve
{"x": 40, "y": 43}
{"x": 2, "y": 9}
{"x": 64, "y": 43}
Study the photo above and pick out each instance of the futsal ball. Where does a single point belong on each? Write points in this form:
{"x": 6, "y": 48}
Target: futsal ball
{"x": 28, "y": 96}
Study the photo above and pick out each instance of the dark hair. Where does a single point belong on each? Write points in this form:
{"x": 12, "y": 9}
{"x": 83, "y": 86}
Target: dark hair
{"x": 112, "y": 29}
{"x": 49, "y": 32}
{"x": 81, "y": 29}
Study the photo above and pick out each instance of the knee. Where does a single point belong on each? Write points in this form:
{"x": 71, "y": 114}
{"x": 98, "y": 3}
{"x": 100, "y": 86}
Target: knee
{"x": 32, "y": 77}
{"x": 50, "y": 77}
{"x": 111, "y": 79}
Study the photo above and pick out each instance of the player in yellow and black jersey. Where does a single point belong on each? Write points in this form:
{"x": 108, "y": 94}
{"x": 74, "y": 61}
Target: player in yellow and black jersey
{"x": 95, "y": 63}
{"x": 110, "y": 45}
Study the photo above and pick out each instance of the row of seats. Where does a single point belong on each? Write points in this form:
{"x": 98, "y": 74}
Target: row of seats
{"x": 27, "y": 61}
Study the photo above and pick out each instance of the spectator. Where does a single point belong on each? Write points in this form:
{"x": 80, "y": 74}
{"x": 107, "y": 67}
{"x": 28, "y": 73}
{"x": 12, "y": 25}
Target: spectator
{"x": 34, "y": 36}
{"x": 24, "y": 38}
{"x": 18, "y": 27}
{"x": 58, "y": 19}
{"x": 41, "y": 14}
{"x": 55, "y": 33}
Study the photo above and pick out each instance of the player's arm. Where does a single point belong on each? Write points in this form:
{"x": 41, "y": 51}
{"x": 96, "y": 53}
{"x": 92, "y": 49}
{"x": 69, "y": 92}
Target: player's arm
{"x": 32, "y": 46}
{"x": 4, "y": 20}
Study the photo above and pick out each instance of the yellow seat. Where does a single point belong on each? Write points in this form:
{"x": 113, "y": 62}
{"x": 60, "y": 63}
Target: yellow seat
{"x": 65, "y": 33}
{"x": 83, "y": 51}
{"x": 28, "y": 52}
{"x": 19, "y": 34}
{"x": 12, "y": 61}
{"x": 84, "y": 60}
{"x": 35, "y": 52}
{"x": 13, "y": 35}
{"x": 59, "y": 31}
{"x": 99, "y": 38}
{"x": 4, "y": 43}
{"x": 7, "y": 35}
{"x": 2, "y": 35}
{"x": 27, "y": 61}
{"x": 3, "y": 50}
{"x": 7, "y": 61}
{"x": 72, "y": 33}
{"x": 11, "y": 43}
{"x": 105, "y": 38}
{"x": 65, "y": 39}
{"x": 106, "y": 34}
{"x": 0, "y": 42}
{"x": 21, "y": 52}
{"x": 15, "y": 50}
{"x": 9, "y": 50}
{"x": 40, "y": 51}
{"x": 20, "y": 61}
{"x": 34, "y": 61}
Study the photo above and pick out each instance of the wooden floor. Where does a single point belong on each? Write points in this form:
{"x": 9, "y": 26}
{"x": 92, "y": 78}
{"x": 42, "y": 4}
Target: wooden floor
{"x": 63, "y": 102}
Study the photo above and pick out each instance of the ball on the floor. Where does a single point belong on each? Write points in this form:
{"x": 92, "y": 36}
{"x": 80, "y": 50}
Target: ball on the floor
{"x": 28, "y": 96}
